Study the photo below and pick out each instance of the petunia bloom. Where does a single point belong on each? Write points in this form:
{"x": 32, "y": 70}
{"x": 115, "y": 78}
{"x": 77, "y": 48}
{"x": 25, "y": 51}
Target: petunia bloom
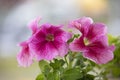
{"x": 25, "y": 56}
{"x": 93, "y": 42}
{"x": 46, "y": 42}
{"x": 49, "y": 41}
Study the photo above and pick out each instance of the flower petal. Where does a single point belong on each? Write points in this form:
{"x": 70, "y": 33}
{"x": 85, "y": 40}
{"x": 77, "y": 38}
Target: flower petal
{"x": 82, "y": 24}
{"x": 33, "y": 25}
{"x": 95, "y": 30}
{"x": 62, "y": 35}
{"x": 44, "y": 50}
{"x": 61, "y": 47}
{"x": 99, "y": 51}
{"x": 24, "y": 57}
{"x": 38, "y": 37}
{"x": 100, "y": 41}
{"x": 99, "y": 56}
{"x": 78, "y": 45}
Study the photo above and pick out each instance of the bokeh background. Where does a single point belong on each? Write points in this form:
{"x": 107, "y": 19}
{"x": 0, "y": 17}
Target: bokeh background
{"x": 15, "y": 15}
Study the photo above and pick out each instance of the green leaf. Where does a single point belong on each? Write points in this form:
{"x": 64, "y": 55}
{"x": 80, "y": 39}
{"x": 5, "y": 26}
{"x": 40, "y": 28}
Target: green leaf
{"x": 87, "y": 77}
{"x": 88, "y": 68}
{"x": 40, "y": 77}
{"x": 112, "y": 39}
{"x": 43, "y": 65}
{"x": 46, "y": 70}
{"x": 80, "y": 60}
{"x": 116, "y": 71}
{"x": 71, "y": 74}
{"x": 53, "y": 76}
{"x": 56, "y": 75}
{"x": 50, "y": 76}
{"x": 57, "y": 64}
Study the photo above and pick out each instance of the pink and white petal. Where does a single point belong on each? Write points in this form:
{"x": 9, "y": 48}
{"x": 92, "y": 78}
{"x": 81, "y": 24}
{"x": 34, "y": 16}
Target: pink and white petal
{"x": 100, "y": 41}
{"x": 61, "y": 47}
{"x": 112, "y": 47}
{"x": 84, "y": 21}
{"x": 99, "y": 56}
{"x": 25, "y": 57}
{"x": 78, "y": 45}
{"x": 49, "y": 52}
{"x": 63, "y": 50}
{"x": 45, "y": 26}
{"x": 62, "y": 35}
{"x": 38, "y": 37}
{"x": 95, "y": 30}
{"x": 23, "y": 44}
{"x": 44, "y": 50}
{"x": 33, "y": 25}
{"x": 37, "y": 47}
{"x": 53, "y": 29}
{"x": 82, "y": 24}
{"x": 66, "y": 36}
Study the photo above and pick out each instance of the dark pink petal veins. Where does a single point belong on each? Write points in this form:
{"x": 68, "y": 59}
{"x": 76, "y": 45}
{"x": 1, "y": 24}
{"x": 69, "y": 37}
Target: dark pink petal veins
{"x": 93, "y": 42}
{"x": 78, "y": 45}
{"x": 96, "y": 29}
{"x": 49, "y": 41}
{"x": 99, "y": 56}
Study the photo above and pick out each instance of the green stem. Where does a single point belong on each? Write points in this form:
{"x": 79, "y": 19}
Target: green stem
{"x": 66, "y": 60}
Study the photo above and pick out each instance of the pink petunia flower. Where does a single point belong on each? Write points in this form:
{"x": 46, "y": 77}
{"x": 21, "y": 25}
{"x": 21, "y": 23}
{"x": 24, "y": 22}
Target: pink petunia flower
{"x": 46, "y": 42}
{"x": 25, "y": 56}
{"x": 49, "y": 41}
{"x": 93, "y": 42}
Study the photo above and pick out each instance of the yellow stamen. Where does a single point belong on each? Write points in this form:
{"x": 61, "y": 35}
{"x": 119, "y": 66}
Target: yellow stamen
{"x": 86, "y": 41}
{"x": 50, "y": 37}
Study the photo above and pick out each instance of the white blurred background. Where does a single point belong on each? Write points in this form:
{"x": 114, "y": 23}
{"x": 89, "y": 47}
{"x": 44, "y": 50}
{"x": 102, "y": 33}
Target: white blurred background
{"x": 15, "y": 15}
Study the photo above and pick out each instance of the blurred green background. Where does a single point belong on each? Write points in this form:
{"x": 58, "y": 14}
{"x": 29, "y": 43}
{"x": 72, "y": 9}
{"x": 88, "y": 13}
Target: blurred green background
{"x": 15, "y": 14}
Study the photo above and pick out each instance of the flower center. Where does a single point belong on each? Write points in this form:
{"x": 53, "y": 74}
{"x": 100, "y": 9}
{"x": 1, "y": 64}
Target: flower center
{"x": 49, "y": 37}
{"x": 86, "y": 41}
